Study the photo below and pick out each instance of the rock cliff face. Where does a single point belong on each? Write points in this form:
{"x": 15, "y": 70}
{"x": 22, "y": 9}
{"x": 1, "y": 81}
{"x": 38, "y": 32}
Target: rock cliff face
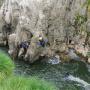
{"x": 61, "y": 22}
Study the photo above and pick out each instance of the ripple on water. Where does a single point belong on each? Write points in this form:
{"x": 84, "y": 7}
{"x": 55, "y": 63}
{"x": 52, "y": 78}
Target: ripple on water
{"x": 54, "y": 73}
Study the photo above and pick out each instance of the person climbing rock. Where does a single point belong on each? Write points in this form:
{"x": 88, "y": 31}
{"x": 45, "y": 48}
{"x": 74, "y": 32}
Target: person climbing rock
{"x": 42, "y": 42}
{"x": 24, "y": 45}
{"x": 23, "y": 48}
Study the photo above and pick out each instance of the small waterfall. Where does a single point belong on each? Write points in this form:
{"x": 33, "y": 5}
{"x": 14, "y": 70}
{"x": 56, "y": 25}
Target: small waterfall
{"x": 80, "y": 81}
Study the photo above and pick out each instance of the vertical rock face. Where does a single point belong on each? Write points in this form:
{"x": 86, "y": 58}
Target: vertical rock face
{"x": 55, "y": 20}
{"x": 1, "y": 2}
{"x": 57, "y": 17}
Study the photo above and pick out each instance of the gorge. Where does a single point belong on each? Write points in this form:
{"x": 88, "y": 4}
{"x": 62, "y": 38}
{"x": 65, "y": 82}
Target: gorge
{"x": 36, "y": 29}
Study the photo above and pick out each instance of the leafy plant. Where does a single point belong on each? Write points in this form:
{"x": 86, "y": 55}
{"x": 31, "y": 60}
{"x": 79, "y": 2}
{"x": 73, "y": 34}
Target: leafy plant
{"x": 79, "y": 20}
{"x": 87, "y": 3}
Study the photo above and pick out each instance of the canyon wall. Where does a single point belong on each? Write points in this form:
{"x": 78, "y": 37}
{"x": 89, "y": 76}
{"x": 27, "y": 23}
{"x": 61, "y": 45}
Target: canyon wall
{"x": 62, "y": 22}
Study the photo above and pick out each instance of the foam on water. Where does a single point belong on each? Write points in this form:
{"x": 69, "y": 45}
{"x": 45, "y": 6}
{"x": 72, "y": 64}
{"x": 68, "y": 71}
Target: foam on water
{"x": 80, "y": 81}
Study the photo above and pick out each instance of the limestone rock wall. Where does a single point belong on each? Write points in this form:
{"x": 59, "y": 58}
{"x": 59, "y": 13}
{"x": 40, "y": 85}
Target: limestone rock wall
{"x": 52, "y": 19}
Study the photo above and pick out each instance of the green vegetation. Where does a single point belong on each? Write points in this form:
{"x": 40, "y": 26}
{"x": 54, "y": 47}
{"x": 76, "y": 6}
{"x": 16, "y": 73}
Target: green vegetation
{"x": 6, "y": 66}
{"x": 87, "y": 3}
{"x": 80, "y": 19}
{"x": 87, "y": 11}
{"x": 19, "y": 82}
{"x": 22, "y": 83}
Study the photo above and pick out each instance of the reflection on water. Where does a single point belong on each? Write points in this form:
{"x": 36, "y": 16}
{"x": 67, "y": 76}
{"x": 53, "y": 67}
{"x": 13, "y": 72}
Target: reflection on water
{"x": 55, "y": 73}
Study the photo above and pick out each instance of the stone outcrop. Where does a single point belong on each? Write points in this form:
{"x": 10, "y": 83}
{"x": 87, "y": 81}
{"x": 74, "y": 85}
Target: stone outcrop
{"x": 61, "y": 22}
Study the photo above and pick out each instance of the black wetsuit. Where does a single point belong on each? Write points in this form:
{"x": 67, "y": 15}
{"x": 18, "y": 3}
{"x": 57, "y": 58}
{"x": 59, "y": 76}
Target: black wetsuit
{"x": 24, "y": 45}
{"x": 42, "y": 43}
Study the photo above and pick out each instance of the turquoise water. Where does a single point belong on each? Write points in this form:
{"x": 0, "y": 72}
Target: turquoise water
{"x": 55, "y": 73}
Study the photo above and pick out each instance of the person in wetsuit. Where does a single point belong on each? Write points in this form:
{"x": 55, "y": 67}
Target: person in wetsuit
{"x": 42, "y": 42}
{"x": 24, "y": 45}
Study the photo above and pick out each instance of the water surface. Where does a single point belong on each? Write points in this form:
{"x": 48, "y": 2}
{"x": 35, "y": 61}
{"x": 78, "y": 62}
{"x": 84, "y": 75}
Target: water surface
{"x": 56, "y": 73}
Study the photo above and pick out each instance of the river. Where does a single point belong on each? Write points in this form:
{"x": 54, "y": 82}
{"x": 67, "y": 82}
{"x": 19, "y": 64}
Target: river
{"x": 78, "y": 79}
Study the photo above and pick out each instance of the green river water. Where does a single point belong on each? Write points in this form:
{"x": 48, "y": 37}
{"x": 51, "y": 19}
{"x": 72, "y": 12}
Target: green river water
{"x": 56, "y": 73}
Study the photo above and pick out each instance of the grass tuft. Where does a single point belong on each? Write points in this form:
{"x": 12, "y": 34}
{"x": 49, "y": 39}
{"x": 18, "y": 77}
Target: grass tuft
{"x": 6, "y": 66}
{"x": 22, "y": 83}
